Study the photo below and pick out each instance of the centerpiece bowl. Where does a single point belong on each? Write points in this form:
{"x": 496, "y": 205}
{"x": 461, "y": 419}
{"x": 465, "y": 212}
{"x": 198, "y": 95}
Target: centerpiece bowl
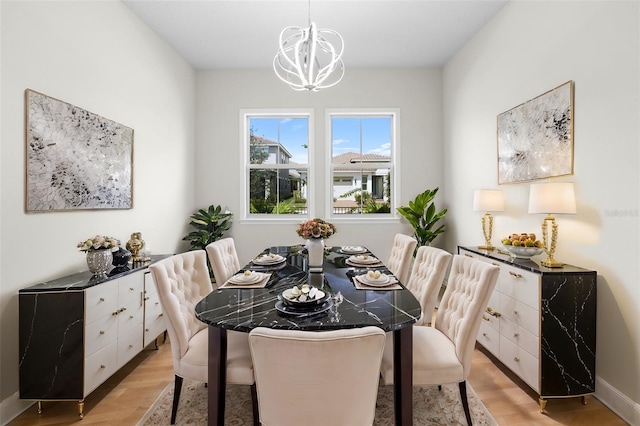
{"x": 521, "y": 252}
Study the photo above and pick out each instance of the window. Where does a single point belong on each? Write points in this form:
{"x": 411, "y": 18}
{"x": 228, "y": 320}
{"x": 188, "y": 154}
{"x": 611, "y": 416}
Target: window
{"x": 276, "y": 158}
{"x": 362, "y": 163}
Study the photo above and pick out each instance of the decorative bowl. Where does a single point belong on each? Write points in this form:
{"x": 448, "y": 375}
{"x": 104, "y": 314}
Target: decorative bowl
{"x": 523, "y": 252}
{"x": 307, "y": 303}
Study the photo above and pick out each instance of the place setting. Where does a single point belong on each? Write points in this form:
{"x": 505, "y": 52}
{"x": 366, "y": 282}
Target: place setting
{"x": 363, "y": 260}
{"x": 303, "y": 301}
{"x": 377, "y": 280}
{"x": 247, "y": 279}
{"x": 268, "y": 262}
{"x": 353, "y": 250}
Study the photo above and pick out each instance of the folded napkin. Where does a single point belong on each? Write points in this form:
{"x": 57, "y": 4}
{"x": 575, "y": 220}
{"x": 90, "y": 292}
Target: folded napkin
{"x": 236, "y": 281}
{"x": 391, "y": 285}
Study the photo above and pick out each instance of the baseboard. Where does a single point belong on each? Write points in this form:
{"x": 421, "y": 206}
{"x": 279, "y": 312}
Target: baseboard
{"x": 618, "y": 402}
{"x": 12, "y": 407}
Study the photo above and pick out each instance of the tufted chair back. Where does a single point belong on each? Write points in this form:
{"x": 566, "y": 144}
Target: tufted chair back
{"x": 317, "y": 377}
{"x": 401, "y": 254}
{"x": 224, "y": 259}
{"x": 469, "y": 288}
{"x": 183, "y": 281}
{"x": 428, "y": 272}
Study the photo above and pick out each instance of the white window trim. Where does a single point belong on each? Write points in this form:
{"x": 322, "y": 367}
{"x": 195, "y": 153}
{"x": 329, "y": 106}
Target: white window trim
{"x": 245, "y": 216}
{"x": 393, "y": 216}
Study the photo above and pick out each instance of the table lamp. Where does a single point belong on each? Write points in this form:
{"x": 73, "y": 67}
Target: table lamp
{"x": 549, "y": 198}
{"x": 488, "y": 200}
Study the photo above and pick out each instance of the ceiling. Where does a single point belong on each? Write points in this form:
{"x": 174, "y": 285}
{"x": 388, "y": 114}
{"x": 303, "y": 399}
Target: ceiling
{"x": 235, "y": 34}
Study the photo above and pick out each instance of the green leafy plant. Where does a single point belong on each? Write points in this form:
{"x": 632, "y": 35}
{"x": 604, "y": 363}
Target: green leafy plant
{"x": 209, "y": 224}
{"x": 421, "y": 214}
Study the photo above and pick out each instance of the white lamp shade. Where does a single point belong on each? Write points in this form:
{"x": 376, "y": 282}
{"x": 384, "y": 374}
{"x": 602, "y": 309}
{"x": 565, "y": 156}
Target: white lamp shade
{"x": 547, "y": 198}
{"x": 488, "y": 200}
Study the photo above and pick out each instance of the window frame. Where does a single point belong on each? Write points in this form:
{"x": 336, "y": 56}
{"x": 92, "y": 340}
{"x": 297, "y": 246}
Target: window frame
{"x": 392, "y": 216}
{"x": 245, "y": 213}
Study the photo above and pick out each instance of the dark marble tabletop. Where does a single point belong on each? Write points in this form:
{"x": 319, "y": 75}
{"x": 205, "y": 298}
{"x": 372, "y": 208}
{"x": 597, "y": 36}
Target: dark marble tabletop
{"x": 85, "y": 279}
{"x": 245, "y": 309}
{"x": 532, "y": 264}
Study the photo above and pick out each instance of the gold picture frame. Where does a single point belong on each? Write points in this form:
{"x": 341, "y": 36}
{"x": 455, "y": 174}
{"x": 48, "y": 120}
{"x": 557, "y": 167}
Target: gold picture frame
{"x": 535, "y": 139}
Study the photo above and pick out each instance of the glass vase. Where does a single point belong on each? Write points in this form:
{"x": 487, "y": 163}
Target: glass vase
{"x": 99, "y": 261}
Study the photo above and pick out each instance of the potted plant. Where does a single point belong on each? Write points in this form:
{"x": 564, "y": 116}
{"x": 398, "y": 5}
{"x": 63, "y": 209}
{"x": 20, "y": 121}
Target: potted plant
{"x": 421, "y": 214}
{"x": 209, "y": 226}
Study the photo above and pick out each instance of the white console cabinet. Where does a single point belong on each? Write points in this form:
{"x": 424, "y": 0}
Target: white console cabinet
{"x": 540, "y": 323}
{"x": 77, "y": 331}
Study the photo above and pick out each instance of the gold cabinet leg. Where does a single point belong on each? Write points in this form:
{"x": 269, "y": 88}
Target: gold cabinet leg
{"x": 584, "y": 399}
{"x": 543, "y": 403}
{"x": 81, "y": 409}
{"x": 39, "y": 407}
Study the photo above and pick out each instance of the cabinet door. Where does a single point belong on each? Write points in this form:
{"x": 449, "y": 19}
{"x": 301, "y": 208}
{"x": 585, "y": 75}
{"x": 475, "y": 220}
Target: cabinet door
{"x": 153, "y": 317}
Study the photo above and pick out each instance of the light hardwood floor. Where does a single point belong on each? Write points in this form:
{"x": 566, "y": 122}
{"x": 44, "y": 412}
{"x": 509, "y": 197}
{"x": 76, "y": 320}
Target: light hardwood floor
{"x": 125, "y": 397}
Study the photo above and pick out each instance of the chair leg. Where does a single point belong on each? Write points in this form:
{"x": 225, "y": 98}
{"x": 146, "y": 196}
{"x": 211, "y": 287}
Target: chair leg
{"x": 254, "y": 403}
{"x": 176, "y": 398}
{"x": 465, "y": 402}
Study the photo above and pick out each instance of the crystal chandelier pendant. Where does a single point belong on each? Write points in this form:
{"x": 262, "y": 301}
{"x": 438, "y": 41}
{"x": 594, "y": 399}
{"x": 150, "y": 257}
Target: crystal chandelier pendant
{"x": 309, "y": 59}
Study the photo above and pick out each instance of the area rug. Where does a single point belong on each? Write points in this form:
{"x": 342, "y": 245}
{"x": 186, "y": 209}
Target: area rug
{"x": 430, "y": 406}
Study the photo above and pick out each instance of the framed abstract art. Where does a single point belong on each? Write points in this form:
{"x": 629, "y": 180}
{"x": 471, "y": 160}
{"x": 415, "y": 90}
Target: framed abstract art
{"x": 535, "y": 139}
{"x": 75, "y": 159}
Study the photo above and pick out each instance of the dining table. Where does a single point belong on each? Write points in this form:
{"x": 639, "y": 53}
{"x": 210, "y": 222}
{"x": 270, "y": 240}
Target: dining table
{"x": 347, "y": 303}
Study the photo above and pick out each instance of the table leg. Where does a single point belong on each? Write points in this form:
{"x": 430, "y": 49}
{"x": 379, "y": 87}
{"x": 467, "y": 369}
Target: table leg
{"x": 217, "y": 375}
{"x": 403, "y": 375}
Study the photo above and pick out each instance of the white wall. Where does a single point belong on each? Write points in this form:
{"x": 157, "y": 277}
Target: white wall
{"x": 529, "y": 48}
{"x": 221, "y": 95}
{"x": 98, "y": 56}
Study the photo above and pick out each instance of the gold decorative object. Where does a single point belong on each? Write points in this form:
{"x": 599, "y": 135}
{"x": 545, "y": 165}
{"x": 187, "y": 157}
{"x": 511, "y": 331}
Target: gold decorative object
{"x": 548, "y": 198}
{"x": 488, "y": 200}
{"x": 135, "y": 246}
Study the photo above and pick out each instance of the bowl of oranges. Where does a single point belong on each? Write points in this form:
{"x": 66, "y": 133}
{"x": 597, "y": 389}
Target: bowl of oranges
{"x": 523, "y": 246}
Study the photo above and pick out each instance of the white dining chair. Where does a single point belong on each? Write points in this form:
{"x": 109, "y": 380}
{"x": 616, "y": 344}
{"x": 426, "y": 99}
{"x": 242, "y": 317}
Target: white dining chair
{"x": 425, "y": 280}
{"x": 223, "y": 258}
{"x": 443, "y": 353}
{"x": 401, "y": 254}
{"x": 182, "y": 281}
{"x": 317, "y": 378}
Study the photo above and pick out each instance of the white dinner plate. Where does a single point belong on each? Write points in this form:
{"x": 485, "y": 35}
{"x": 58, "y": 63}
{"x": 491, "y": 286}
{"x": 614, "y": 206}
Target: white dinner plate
{"x": 364, "y": 260}
{"x": 383, "y": 280}
{"x": 353, "y": 249}
{"x": 268, "y": 260}
{"x": 241, "y": 278}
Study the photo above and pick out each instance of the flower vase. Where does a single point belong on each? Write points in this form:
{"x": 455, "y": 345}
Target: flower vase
{"x": 315, "y": 251}
{"x": 99, "y": 261}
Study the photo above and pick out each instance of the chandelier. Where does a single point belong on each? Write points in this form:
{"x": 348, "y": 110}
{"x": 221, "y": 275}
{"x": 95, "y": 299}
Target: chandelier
{"x": 309, "y": 58}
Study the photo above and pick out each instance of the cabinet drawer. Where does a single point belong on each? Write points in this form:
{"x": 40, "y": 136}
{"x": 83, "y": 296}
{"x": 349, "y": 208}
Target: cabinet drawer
{"x": 153, "y": 319}
{"x": 520, "y": 362}
{"x": 130, "y": 317}
{"x": 493, "y": 306}
{"x": 520, "y": 285}
{"x": 520, "y": 314}
{"x": 100, "y": 366}
{"x": 520, "y": 336}
{"x": 101, "y": 300}
{"x": 129, "y": 345}
{"x": 489, "y": 338}
{"x": 100, "y": 333}
{"x": 130, "y": 288}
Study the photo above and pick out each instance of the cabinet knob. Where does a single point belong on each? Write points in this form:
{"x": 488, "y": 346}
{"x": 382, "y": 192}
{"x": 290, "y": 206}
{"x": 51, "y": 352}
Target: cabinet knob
{"x": 485, "y": 318}
{"x": 495, "y": 264}
{"x": 131, "y": 288}
{"x": 146, "y": 298}
{"x": 484, "y": 334}
{"x": 516, "y": 334}
{"x": 146, "y": 329}
{"x": 102, "y": 299}
{"x": 516, "y": 359}
{"x": 130, "y": 346}
{"x": 515, "y": 313}
{"x": 160, "y": 315}
{"x": 101, "y": 331}
{"x": 515, "y": 274}
{"x": 468, "y": 255}
{"x": 103, "y": 366}
{"x": 130, "y": 316}
{"x": 493, "y": 313}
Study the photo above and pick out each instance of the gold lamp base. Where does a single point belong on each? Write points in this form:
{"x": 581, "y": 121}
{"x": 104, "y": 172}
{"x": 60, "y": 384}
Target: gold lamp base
{"x": 487, "y": 230}
{"x": 550, "y": 246}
